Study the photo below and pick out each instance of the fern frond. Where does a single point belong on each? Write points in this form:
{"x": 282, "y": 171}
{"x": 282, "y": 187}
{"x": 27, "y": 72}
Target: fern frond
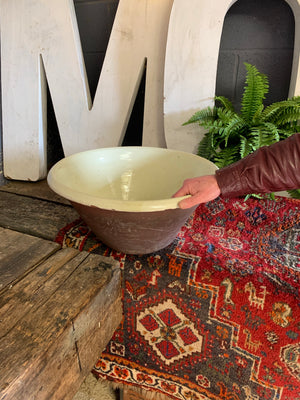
{"x": 283, "y": 112}
{"x": 273, "y": 131}
{"x": 294, "y": 193}
{"x": 246, "y": 146}
{"x": 255, "y": 195}
{"x": 261, "y": 136}
{"x": 270, "y": 196}
{"x": 205, "y": 116}
{"x": 225, "y": 115}
{"x": 288, "y": 116}
{"x": 234, "y": 128}
{"x": 295, "y": 98}
{"x": 270, "y": 112}
{"x": 257, "y": 116}
{"x": 206, "y": 147}
{"x": 226, "y": 103}
{"x": 227, "y": 156}
{"x": 288, "y": 131}
{"x": 254, "y": 92}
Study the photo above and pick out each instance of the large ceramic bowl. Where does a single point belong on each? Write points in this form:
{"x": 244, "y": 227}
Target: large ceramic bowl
{"x": 124, "y": 194}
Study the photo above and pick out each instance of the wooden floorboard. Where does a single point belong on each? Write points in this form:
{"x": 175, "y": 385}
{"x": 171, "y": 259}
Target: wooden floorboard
{"x": 57, "y": 325}
{"x": 34, "y": 288}
{"x": 39, "y": 190}
{"x": 19, "y": 253}
{"x": 41, "y": 218}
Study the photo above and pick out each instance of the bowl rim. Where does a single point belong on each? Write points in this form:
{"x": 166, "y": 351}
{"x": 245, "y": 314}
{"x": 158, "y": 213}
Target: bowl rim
{"x": 86, "y": 199}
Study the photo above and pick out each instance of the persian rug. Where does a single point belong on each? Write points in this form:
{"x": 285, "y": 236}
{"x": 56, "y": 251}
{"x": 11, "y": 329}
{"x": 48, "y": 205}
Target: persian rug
{"x": 216, "y": 314}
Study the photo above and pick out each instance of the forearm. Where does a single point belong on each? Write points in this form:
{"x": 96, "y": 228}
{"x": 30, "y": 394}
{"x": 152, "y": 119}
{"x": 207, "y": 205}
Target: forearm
{"x": 269, "y": 169}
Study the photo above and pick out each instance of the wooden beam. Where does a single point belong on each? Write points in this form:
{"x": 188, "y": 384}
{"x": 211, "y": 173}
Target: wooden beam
{"x": 19, "y": 254}
{"x": 34, "y": 216}
{"x": 51, "y": 347}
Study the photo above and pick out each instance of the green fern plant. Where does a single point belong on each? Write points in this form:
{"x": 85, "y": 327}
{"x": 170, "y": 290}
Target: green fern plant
{"x": 232, "y": 135}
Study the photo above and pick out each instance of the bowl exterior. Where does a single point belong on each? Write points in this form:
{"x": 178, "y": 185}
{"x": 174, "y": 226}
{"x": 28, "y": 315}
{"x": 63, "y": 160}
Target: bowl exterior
{"x": 134, "y": 232}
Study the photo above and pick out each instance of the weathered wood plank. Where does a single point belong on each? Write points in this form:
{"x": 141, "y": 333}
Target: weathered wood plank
{"x": 42, "y": 357}
{"x": 19, "y": 253}
{"x": 33, "y": 216}
{"x": 38, "y": 190}
{"x": 86, "y": 351}
{"x": 36, "y": 288}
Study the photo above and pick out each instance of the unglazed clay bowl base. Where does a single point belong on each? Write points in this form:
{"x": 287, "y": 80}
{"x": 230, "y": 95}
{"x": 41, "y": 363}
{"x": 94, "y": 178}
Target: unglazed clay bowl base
{"x": 134, "y": 232}
{"x": 124, "y": 194}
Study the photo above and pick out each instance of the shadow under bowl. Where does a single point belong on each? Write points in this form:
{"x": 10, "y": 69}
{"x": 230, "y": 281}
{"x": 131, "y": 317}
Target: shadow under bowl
{"x": 124, "y": 194}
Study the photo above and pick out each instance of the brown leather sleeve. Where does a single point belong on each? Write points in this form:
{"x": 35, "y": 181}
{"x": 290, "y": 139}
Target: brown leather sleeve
{"x": 269, "y": 169}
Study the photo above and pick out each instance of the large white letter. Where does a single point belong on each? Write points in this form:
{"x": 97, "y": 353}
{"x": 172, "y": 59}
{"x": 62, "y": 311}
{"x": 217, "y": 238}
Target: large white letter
{"x": 40, "y": 41}
{"x": 295, "y": 81}
{"x": 191, "y": 66}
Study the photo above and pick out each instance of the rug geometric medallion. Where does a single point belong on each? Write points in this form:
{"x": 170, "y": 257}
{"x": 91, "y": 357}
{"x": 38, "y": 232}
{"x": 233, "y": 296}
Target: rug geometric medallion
{"x": 216, "y": 314}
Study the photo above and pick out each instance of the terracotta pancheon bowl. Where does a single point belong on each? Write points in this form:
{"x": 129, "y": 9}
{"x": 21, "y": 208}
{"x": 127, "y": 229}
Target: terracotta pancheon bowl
{"x": 124, "y": 194}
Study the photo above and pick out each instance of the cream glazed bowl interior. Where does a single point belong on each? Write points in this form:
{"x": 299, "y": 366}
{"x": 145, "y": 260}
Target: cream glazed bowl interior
{"x": 124, "y": 194}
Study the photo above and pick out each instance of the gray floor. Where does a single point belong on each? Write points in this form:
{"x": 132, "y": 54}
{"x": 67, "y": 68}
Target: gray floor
{"x": 93, "y": 389}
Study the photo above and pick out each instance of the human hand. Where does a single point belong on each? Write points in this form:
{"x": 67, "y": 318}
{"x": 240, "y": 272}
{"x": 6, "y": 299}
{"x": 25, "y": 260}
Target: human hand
{"x": 202, "y": 189}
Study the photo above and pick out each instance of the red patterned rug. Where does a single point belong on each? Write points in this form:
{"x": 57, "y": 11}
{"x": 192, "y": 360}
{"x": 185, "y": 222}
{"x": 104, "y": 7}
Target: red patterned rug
{"x": 215, "y": 315}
